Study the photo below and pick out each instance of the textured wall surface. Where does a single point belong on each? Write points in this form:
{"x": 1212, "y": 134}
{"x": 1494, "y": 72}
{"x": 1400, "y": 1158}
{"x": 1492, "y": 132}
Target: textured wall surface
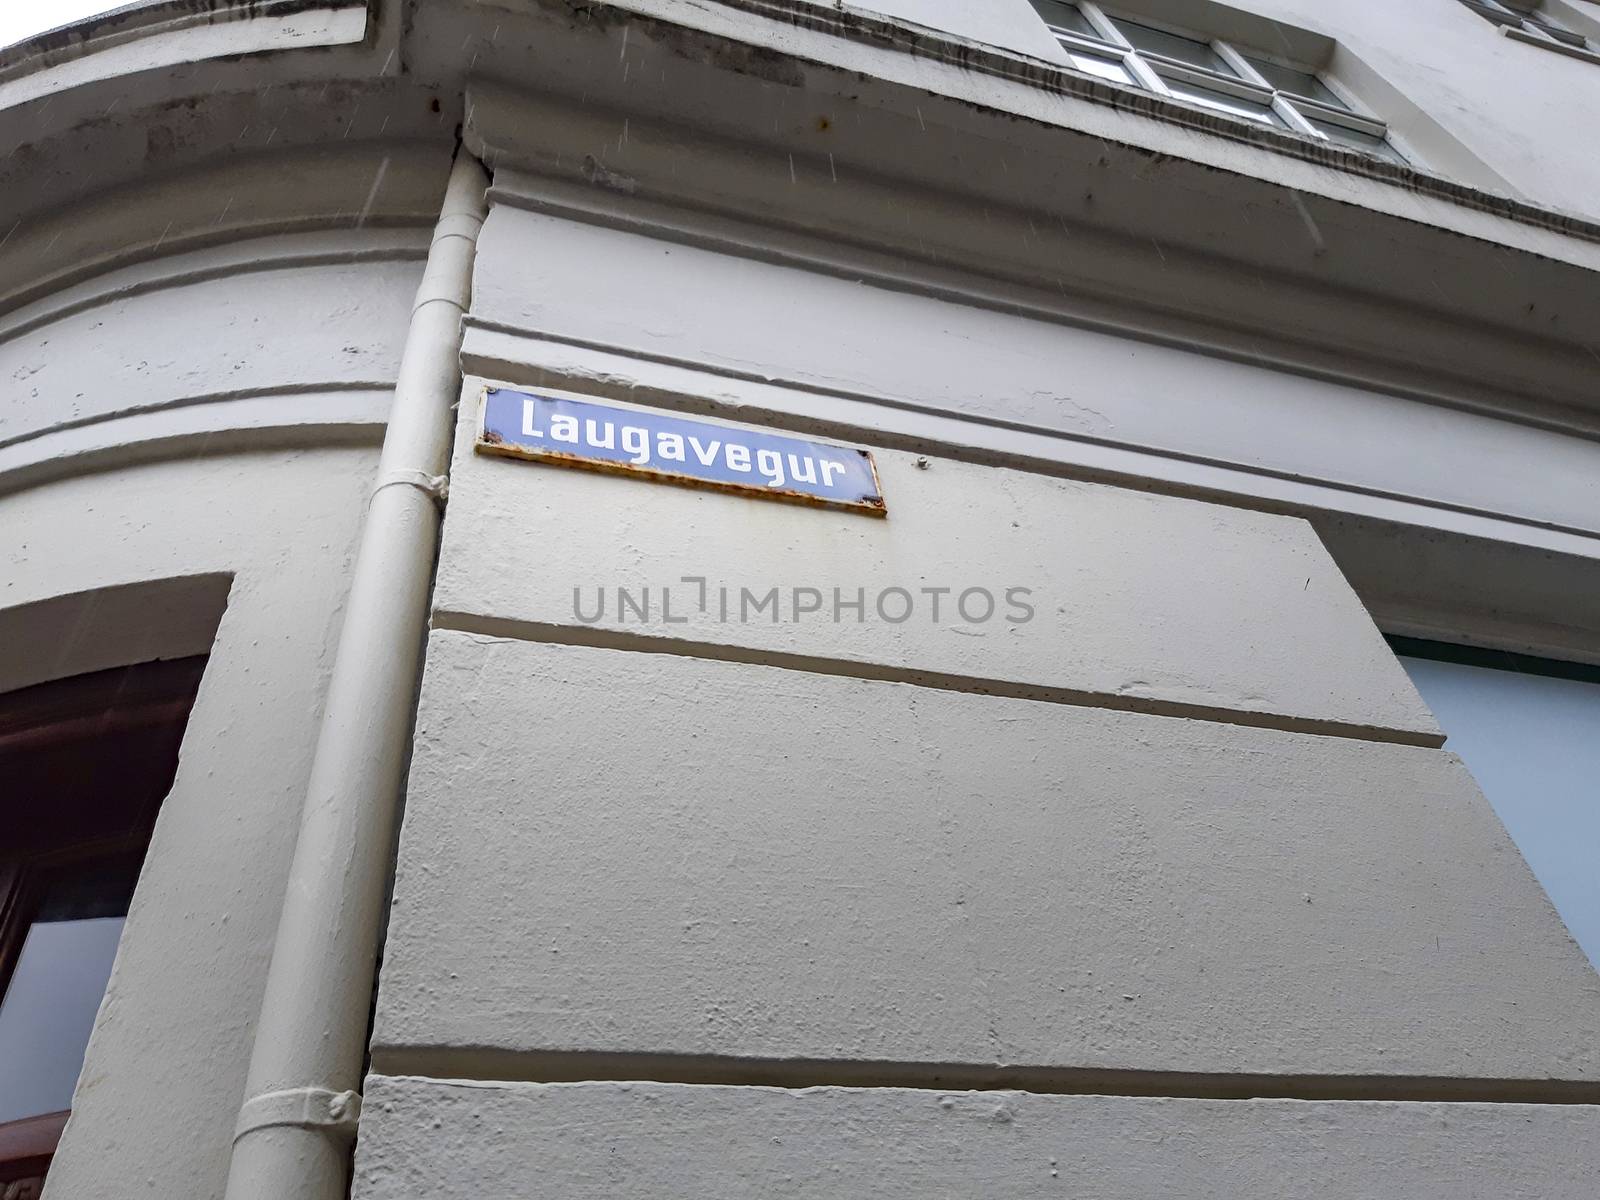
{"x": 211, "y": 339}
{"x": 585, "y": 1141}
{"x": 613, "y": 290}
{"x": 1186, "y": 828}
{"x": 173, "y": 1036}
{"x": 1134, "y": 598}
{"x": 741, "y": 851}
{"x": 641, "y": 854}
{"x": 1503, "y": 100}
{"x": 197, "y": 370}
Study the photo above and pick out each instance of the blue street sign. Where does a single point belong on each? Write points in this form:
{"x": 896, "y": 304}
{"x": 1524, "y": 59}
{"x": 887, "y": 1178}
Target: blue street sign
{"x": 657, "y": 445}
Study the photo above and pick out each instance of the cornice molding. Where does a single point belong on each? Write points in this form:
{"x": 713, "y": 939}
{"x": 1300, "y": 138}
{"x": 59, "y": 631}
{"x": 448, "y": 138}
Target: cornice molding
{"x": 871, "y": 30}
{"x": 538, "y": 358}
{"x": 191, "y": 261}
{"x": 1434, "y": 318}
{"x": 170, "y": 33}
{"x": 226, "y": 423}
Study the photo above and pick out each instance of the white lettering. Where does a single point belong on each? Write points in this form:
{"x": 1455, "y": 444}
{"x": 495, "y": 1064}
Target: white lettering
{"x": 646, "y": 445}
{"x": 770, "y": 464}
{"x": 670, "y": 446}
{"x": 707, "y": 454}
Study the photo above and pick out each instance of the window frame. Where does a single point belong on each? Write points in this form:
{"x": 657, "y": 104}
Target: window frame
{"x": 1530, "y": 18}
{"x": 1530, "y": 22}
{"x": 149, "y": 701}
{"x": 1511, "y": 663}
{"x": 1150, "y": 70}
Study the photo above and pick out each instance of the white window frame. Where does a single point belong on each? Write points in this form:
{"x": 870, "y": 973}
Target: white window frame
{"x": 1529, "y": 21}
{"x": 1531, "y": 18}
{"x": 1151, "y": 71}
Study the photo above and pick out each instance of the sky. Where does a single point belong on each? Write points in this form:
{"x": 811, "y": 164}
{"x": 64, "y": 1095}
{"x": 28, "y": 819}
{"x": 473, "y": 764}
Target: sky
{"x": 20, "y": 19}
{"x": 1530, "y": 742}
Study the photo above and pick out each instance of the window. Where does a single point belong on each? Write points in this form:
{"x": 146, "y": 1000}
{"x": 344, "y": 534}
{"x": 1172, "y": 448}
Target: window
{"x": 86, "y": 762}
{"x": 1529, "y": 21}
{"x": 1242, "y": 82}
{"x": 1529, "y": 731}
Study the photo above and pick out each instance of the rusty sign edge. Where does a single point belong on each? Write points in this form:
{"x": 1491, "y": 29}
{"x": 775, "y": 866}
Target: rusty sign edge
{"x": 489, "y": 443}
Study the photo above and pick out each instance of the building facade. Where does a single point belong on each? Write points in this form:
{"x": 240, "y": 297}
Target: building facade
{"x": 395, "y": 818}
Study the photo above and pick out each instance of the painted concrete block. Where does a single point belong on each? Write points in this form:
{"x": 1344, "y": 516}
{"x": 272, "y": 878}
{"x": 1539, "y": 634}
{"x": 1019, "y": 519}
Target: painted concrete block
{"x": 613, "y": 1140}
{"x": 646, "y": 854}
{"x": 991, "y": 575}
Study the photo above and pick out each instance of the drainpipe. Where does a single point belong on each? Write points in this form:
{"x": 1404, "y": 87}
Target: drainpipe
{"x": 295, "y": 1128}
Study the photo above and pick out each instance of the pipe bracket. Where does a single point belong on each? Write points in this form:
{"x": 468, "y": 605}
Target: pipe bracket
{"x": 436, "y": 486}
{"x": 303, "y": 1108}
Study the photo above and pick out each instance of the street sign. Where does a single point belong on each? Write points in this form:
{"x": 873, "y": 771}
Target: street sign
{"x": 657, "y": 445}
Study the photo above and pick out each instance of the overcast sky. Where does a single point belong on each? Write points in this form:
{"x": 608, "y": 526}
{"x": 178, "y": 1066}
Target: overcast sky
{"x": 23, "y": 18}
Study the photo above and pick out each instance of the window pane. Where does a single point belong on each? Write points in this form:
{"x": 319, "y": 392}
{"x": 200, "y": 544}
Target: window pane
{"x": 1529, "y": 741}
{"x": 49, "y": 1010}
{"x": 1299, "y": 83}
{"x": 1225, "y": 103}
{"x": 1356, "y": 140}
{"x": 1066, "y": 16}
{"x": 56, "y": 987}
{"x": 1106, "y": 68}
{"x": 1187, "y": 50}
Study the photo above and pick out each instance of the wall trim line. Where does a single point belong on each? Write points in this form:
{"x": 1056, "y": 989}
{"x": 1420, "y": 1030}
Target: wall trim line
{"x": 513, "y": 629}
{"x": 484, "y": 1066}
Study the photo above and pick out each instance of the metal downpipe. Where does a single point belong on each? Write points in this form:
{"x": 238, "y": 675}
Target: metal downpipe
{"x": 295, "y": 1126}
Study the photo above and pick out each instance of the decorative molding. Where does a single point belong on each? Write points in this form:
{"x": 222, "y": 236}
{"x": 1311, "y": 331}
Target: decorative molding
{"x": 199, "y": 261}
{"x": 341, "y": 415}
{"x": 536, "y": 358}
{"x": 941, "y": 276}
{"x": 1092, "y": 277}
{"x": 169, "y": 32}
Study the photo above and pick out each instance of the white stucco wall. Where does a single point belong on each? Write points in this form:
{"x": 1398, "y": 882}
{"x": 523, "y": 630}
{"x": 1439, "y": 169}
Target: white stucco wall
{"x": 741, "y": 862}
{"x": 1512, "y": 104}
{"x": 1148, "y": 601}
{"x": 814, "y": 853}
{"x": 797, "y": 853}
{"x": 721, "y": 1143}
{"x": 198, "y": 371}
{"x": 620, "y": 293}
{"x": 1507, "y": 103}
{"x": 165, "y": 1069}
